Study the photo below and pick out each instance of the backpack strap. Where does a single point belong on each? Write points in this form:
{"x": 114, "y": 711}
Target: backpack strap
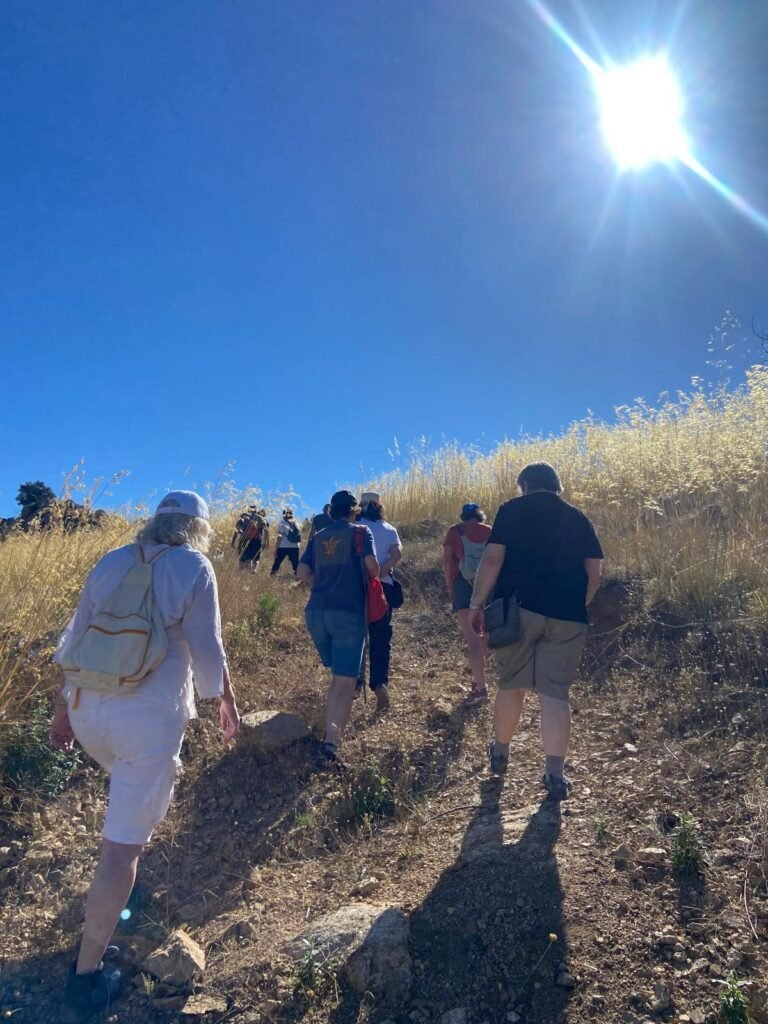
{"x": 140, "y": 556}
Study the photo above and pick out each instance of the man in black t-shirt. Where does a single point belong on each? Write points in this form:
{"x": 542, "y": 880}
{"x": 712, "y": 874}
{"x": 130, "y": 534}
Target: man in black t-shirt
{"x": 544, "y": 555}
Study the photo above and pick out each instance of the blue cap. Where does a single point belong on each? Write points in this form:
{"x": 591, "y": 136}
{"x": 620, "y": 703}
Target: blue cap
{"x": 469, "y": 508}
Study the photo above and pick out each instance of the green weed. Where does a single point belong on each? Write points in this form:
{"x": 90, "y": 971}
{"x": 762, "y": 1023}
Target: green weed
{"x": 601, "y": 827}
{"x": 315, "y": 970}
{"x": 29, "y": 763}
{"x": 733, "y": 1002}
{"x": 687, "y": 850}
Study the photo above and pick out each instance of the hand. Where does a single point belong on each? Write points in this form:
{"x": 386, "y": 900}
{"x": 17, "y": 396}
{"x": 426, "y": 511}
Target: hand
{"x": 477, "y": 621}
{"x": 229, "y": 718}
{"x": 61, "y": 734}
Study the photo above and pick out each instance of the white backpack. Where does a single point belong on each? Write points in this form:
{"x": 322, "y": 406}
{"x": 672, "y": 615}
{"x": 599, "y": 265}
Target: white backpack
{"x": 125, "y": 640}
{"x": 472, "y": 557}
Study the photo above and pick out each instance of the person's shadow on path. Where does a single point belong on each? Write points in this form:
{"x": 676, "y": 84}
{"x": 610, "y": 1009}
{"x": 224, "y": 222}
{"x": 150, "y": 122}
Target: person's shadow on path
{"x": 489, "y": 937}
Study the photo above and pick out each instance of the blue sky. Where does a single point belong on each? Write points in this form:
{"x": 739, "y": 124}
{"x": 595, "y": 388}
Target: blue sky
{"x": 284, "y": 233}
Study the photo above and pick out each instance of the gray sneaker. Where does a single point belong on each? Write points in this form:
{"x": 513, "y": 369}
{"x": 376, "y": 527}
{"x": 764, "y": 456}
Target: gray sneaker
{"x": 382, "y": 697}
{"x": 498, "y": 762}
{"x": 558, "y": 787}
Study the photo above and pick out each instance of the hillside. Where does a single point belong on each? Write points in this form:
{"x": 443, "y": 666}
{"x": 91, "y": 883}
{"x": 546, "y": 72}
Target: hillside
{"x": 501, "y": 908}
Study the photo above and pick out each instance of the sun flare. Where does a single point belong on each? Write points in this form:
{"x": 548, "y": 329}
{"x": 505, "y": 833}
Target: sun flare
{"x": 641, "y": 113}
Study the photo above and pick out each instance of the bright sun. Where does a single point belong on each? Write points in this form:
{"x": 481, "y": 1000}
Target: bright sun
{"x": 641, "y": 110}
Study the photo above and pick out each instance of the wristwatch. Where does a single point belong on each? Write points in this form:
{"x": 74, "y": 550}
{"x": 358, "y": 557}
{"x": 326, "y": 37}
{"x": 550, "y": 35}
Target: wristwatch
{"x": 476, "y": 607}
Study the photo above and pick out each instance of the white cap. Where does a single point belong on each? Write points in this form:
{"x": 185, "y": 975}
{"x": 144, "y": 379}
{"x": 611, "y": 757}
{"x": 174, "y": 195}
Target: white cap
{"x": 185, "y": 503}
{"x": 369, "y": 496}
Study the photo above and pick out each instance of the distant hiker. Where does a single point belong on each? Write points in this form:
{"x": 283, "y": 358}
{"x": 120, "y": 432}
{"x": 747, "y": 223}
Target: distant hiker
{"x": 336, "y": 564}
{"x": 542, "y": 564}
{"x": 288, "y": 545}
{"x": 463, "y": 549}
{"x": 389, "y": 551}
{"x": 254, "y": 538}
{"x": 127, "y": 698}
{"x": 320, "y": 522}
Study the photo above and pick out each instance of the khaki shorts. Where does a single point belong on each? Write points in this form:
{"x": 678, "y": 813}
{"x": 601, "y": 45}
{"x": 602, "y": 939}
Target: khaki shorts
{"x": 545, "y": 658}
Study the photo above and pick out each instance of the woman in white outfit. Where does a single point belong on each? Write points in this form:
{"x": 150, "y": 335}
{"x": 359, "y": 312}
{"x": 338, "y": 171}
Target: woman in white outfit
{"x": 136, "y": 736}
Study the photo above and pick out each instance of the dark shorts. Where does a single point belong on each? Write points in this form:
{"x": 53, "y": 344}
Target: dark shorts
{"x": 462, "y": 594}
{"x": 251, "y": 552}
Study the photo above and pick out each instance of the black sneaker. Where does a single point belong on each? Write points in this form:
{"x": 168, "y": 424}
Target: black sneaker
{"x": 87, "y": 994}
{"x": 331, "y": 758}
{"x": 558, "y": 787}
{"x": 498, "y": 762}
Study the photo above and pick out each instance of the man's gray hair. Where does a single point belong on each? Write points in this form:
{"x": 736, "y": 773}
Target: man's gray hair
{"x": 177, "y": 529}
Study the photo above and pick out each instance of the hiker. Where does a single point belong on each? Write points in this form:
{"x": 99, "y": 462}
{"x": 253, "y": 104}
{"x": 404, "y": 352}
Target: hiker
{"x": 164, "y": 586}
{"x": 463, "y": 549}
{"x": 389, "y": 551}
{"x": 254, "y": 538}
{"x": 542, "y": 563}
{"x": 336, "y": 564}
{"x": 289, "y": 542}
{"x": 320, "y": 522}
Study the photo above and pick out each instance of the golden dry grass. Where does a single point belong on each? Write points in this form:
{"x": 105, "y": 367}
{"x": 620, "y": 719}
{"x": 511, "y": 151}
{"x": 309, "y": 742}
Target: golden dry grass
{"x": 679, "y": 495}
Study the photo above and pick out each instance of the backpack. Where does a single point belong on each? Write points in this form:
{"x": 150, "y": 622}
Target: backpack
{"x": 376, "y": 604}
{"x": 473, "y": 555}
{"x": 253, "y": 529}
{"x": 125, "y": 639}
{"x": 294, "y": 533}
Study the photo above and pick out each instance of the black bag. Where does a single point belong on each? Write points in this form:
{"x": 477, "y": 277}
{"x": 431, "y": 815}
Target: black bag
{"x": 502, "y": 621}
{"x": 294, "y": 534}
{"x": 394, "y": 592}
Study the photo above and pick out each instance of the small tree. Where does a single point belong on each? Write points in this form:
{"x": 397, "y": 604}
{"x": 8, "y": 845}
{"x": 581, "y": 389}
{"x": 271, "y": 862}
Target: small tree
{"x": 35, "y": 496}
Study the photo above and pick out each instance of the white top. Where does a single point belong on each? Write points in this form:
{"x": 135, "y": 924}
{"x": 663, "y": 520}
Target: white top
{"x": 282, "y": 529}
{"x": 184, "y": 588}
{"x": 385, "y": 537}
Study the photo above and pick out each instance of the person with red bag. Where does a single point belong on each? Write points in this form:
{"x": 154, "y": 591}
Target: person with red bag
{"x": 340, "y": 566}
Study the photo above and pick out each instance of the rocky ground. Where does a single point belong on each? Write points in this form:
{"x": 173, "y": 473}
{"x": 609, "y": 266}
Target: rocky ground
{"x": 416, "y": 888}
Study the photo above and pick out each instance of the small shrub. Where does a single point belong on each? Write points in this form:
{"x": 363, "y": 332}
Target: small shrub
{"x": 366, "y": 797}
{"x": 315, "y": 970}
{"x": 266, "y": 612}
{"x": 687, "y": 851}
{"x": 601, "y": 827}
{"x": 29, "y": 762}
{"x": 733, "y": 1002}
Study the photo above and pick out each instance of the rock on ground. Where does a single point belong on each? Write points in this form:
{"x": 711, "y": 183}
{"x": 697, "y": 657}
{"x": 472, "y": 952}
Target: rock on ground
{"x": 371, "y": 941}
{"x": 273, "y": 730}
{"x": 177, "y": 961}
{"x": 488, "y": 834}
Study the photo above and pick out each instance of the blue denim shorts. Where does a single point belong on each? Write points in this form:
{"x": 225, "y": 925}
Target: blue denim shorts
{"x": 339, "y": 638}
{"x": 462, "y": 594}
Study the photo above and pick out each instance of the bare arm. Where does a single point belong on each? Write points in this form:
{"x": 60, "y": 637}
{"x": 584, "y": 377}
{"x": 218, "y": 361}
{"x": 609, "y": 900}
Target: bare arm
{"x": 594, "y": 568}
{"x": 304, "y": 574}
{"x": 485, "y": 581}
{"x": 450, "y": 566}
{"x": 372, "y": 565}
{"x": 394, "y": 555}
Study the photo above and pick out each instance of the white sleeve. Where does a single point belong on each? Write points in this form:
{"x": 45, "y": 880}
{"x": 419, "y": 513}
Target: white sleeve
{"x": 78, "y": 623}
{"x": 202, "y": 628}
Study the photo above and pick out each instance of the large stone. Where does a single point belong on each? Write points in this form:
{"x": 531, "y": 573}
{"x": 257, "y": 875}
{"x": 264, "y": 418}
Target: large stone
{"x": 177, "y": 962}
{"x": 370, "y": 942}
{"x": 655, "y": 856}
{"x": 273, "y": 730}
{"x": 200, "y": 1004}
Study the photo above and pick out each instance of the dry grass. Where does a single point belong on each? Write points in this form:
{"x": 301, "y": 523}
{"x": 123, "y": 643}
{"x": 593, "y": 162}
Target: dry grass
{"x": 679, "y": 493}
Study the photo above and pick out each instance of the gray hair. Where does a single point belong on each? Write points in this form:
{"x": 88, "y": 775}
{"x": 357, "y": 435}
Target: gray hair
{"x": 177, "y": 529}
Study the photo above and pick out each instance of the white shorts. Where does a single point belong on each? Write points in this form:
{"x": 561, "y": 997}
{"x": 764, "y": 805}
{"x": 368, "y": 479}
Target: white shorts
{"x": 138, "y": 742}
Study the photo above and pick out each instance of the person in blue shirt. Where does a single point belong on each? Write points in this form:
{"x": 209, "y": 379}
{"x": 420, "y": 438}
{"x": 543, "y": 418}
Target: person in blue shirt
{"x": 336, "y": 565}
